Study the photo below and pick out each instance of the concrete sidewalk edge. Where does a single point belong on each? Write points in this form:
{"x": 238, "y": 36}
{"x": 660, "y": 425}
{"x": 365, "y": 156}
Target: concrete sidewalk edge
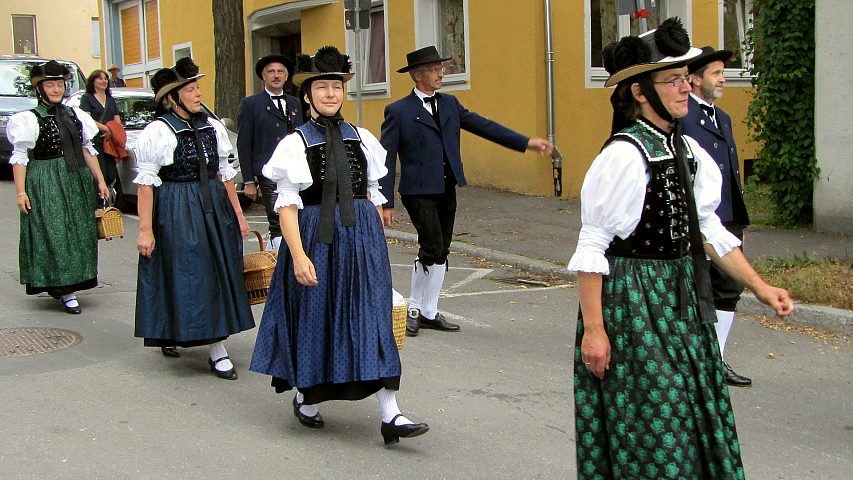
{"x": 826, "y": 318}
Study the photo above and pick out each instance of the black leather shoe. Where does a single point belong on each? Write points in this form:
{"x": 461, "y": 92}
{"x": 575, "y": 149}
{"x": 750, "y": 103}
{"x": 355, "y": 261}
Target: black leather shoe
{"x": 438, "y": 323}
{"x": 170, "y": 352}
{"x": 311, "y": 422}
{"x": 227, "y": 374}
{"x": 412, "y": 324}
{"x": 735, "y": 380}
{"x": 391, "y": 433}
{"x": 75, "y": 310}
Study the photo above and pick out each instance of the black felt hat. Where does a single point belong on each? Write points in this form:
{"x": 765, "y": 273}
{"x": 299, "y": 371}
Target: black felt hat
{"x": 168, "y": 79}
{"x": 51, "y": 70}
{"x": 274, "y": 58}
{"x": 708, "y": 55}
{"x": 422, "y": 56}
{"x": 328, "y": 62}
{"x": 664, "y": 47}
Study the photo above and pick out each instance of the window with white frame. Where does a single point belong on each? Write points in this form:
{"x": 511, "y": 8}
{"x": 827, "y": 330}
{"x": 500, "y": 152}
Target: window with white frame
{"x": 606, "y": 22}
{"x": 182, "y": 50}
{"x": 444, "y": 23}
{"x": 96, "y": 37}
{"x": 24, "y": 34}
{"x": 736, "y": 18}
{"x": 373, "y": 49}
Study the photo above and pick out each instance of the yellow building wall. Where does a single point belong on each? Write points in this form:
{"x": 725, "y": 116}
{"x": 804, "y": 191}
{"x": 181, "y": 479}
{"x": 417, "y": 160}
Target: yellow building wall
{"x": 184, "y": 21}
{"x": 64, "y": 33}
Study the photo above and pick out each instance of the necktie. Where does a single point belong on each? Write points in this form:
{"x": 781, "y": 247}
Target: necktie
{"x": 433, "y": 106}
{"x": 277, "y": 99}
{"x": 709, "y": 109}
{"x": 337, "y": 186}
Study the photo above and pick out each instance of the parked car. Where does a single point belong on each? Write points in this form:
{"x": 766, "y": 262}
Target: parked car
{"x": 136, "y": 109}
{"x": 17, "y": 95}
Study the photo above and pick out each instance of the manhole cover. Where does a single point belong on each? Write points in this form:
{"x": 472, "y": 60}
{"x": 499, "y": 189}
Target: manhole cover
{"x": 22, "y": 341}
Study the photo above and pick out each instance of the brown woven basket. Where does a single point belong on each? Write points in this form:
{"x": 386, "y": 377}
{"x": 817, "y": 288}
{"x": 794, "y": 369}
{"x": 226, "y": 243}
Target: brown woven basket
{"x": 398, "y": 320}
{"x": 109, "y": 223}
{"x": 257, "y": 271}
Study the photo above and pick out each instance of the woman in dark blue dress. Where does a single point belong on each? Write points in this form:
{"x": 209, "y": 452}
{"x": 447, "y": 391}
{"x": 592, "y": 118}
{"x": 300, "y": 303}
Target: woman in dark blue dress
{"x": 326, "y": 328}
{"x": 190, "y": 289}
{"x": 100, "y": 104}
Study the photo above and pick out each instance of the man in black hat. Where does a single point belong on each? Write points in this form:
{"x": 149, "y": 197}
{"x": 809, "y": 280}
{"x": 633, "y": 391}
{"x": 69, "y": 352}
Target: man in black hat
{"x": 711, "y": 127}
{"x": 262, "y": 121}
{"x": 423, "y": 130}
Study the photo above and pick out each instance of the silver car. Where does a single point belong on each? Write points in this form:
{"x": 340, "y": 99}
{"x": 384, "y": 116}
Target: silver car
{"x": 136, "y": 109}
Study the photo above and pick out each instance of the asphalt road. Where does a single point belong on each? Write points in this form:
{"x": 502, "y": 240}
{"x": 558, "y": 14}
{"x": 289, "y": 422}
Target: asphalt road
{"x": 497, "y": 395}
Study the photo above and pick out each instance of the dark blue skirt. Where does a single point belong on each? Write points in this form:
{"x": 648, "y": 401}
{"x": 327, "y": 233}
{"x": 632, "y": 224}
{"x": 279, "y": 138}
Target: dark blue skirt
{"x": 191, "y": 291}
{"x": 333, "y": 341}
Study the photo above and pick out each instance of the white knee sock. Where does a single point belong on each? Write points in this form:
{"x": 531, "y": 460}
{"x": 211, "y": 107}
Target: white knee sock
{"x": 309, "y": 410}
{"x": 274, "y": 243}
{"x": 217, "y": 351}
{"x": 723, "y": 327}
{"x": 388, "y": 405}
{"x": 435, "y": 280}
{"x": 70, "y": 300}
{"x": 419, "y": 283}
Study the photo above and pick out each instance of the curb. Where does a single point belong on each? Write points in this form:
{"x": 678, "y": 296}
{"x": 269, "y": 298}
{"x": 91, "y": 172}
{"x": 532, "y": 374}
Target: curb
{"x": 826, "y": 318}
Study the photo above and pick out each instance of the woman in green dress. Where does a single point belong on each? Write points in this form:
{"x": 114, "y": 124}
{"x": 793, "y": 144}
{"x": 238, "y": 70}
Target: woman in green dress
{"x": 54, "y": 163}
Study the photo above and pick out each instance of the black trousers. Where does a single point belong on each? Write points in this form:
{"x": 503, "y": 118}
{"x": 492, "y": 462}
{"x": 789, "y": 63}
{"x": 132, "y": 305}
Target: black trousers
{"x": 433, "y": 217}
{"x": 727, "y": 290}
{"x": 268, "y": 196}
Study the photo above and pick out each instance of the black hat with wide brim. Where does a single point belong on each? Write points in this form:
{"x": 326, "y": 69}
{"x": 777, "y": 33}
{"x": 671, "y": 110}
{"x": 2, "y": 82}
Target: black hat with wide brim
{"x": 328, "y": 62}
{"x": 422, "y": 56}
{"x": 51, "y": 70}
{"x": 168, "y": 79}
{"x": 709, "y": 54}
{"x": 274, "y": 58}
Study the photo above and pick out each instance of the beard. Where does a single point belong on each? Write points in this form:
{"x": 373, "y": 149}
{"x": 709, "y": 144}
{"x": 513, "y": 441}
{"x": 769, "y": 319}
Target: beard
{"x": 710, "y": 92}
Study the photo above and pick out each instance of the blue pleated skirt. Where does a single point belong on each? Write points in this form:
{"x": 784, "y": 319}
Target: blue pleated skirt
{"x": 333, "y": 341}
{"x": 191, "y": 291}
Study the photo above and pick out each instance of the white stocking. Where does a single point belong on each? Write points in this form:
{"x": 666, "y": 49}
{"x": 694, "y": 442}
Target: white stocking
{"x": 419, "y": 284}
{"x": 435, "y": 281}
{"x": 217, "y": 351}
{"x": 723, "y": 327}
{"x": 388, "y": 405}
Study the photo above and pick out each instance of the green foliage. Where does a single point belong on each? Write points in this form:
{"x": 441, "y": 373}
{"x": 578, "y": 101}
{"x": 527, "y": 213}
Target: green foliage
{"x": 781, "y": 114}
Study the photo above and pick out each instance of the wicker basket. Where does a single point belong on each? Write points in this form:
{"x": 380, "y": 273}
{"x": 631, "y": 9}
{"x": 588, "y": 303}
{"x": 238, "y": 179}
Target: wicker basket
{"x": 109, "y": 223}
{"x": 257, "y": 271}
{"x": 398, "y": 318}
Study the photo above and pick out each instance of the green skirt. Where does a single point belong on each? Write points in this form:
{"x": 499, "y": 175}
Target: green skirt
{"x": 663, "y": 409}
{"x": 58, "y": 249}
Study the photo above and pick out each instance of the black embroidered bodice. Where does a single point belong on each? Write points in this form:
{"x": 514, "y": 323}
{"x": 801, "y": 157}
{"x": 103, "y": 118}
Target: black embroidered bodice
{"x": 49, "y": 143}
{"x": 314, "y": 138}
{"x": 663, "y": 229}
{"x": 186, "y": 163}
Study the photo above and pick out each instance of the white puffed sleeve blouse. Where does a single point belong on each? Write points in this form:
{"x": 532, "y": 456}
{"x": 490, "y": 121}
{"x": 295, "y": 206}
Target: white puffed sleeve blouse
{"x": 155, "y": 148}
{"x": 23, "y": 131}
{"x": 288, "y": 167}
{"x": 612, "y": 198}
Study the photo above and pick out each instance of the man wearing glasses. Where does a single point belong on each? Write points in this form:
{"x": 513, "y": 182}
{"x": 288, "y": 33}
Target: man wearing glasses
{"x": 423, "y": 129}
{"x": 711, "y": 127}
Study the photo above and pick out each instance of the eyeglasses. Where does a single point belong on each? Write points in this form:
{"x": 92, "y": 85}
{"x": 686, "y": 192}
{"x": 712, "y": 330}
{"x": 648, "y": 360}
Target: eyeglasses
{"x": 679, "y": 81}
{"x": 436, "y": 69}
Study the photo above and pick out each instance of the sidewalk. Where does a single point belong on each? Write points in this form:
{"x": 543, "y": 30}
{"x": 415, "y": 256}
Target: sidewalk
{"x": 539, "y": 235}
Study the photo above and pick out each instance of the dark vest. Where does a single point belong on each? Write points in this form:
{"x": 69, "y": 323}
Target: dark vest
{"x": 185, "y": 166}
{"x": 49, "y": 143}
{"x": 314, "y": 138}
{"x": 663, "y": 230}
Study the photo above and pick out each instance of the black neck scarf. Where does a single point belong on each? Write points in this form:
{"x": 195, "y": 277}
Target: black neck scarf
{"x": 337, "y": 185}
{"x": 701, "y": 265}
{"x": 69, "y": 134}
{"x": 201, "y": 155}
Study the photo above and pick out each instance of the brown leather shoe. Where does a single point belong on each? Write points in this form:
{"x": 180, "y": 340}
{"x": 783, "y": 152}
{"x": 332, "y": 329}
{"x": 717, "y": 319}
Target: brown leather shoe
{"x": 438, "y": 323}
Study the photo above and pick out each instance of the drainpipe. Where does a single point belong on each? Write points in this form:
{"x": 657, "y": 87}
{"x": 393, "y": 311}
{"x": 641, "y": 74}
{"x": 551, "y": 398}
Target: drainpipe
{"x": 556, "y": 158}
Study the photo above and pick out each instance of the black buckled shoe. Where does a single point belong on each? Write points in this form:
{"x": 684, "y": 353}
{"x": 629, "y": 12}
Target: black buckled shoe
{"x": 227, "y": 374}
{"x": 311, "y": 422}
{"x": 412, "y": 323}
{"x": 74, "y": 310}
{"x": 391, "y": 433}
{"x": 438, "y": 323}
{"x": 735, "y": 380}
{"x": 170, "y": 352}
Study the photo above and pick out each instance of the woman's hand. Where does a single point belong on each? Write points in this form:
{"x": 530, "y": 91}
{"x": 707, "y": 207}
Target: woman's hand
{"x": 103, "y": 191}
{"x": 244, "y": 225}
{"x": 145, "y": 243}
{"x": 303, "y": 269}
{"x": 105, "y": 130}
{"x": 24, "y": 203}
{"x": 595, "y": 351}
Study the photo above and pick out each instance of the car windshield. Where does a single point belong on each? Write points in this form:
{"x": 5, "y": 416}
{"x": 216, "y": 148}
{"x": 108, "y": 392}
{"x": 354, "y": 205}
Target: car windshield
{"x": 15, "y": 79}
{"x": 135, "y": 111}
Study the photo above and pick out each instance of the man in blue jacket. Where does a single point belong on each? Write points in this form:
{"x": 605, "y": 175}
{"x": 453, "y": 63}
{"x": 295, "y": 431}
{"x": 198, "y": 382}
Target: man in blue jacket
{"x": 709, "y": 125}
{"x": 423, "y": 129}
{"x": 263, "y": 120}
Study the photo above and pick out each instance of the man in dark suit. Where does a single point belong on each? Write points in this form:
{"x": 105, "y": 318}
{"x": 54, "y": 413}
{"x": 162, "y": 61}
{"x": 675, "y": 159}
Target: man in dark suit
{"x": 423, "y": 129}
{"x": 263, "y": 120}
{"x": 711, "y": 127}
